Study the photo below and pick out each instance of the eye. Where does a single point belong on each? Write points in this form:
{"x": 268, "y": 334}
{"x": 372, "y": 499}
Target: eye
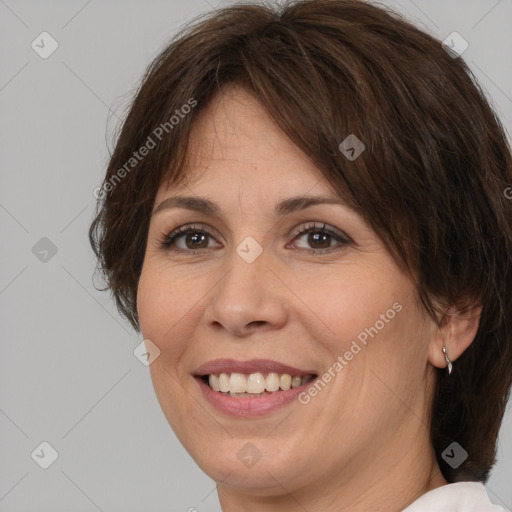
{"x": 320, "y": 238}
{"x": 193, "y": 240}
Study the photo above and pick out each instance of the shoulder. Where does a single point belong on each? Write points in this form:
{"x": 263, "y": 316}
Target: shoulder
{"x": 457, "y": 497}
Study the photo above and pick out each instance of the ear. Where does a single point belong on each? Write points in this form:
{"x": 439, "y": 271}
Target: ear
{"x": 456, "y": 332}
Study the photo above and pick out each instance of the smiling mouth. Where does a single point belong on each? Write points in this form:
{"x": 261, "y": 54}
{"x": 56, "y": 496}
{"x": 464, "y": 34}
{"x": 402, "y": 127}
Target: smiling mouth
{"x": 240, "y": 385}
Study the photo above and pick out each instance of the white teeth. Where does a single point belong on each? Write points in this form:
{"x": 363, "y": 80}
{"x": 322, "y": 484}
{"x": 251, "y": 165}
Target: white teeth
{"x": 255, "y": 384}
{"x": 272, "y": 382}
{"x": 237, "y": 383}
{"x": 285, "y": 382}
{"x": 224, "y": 382}
{"x": 214, "y": 382}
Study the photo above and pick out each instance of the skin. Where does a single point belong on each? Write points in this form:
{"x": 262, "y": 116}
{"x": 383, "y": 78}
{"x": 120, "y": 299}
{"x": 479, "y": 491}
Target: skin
{"x": 363, "y": 442}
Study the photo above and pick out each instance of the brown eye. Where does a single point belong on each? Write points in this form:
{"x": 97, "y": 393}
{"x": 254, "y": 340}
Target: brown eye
{"x": 187, "y": 239}
{"x": 196, "y": 240}
{"x": 320, "y": 238}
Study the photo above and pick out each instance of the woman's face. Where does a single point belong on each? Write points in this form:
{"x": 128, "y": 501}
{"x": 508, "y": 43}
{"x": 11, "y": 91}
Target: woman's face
{"x": 245, "y": 293}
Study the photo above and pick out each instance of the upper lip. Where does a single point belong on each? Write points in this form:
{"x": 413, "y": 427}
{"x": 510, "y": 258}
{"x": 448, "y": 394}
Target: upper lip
{"x": 218, "y": 366}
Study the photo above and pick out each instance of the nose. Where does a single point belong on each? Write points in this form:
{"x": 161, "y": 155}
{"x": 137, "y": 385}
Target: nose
{"x": 248, "y": 298}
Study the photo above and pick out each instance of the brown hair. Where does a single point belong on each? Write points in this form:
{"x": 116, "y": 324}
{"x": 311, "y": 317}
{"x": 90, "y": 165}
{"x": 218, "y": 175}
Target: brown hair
{"x": 432, "y": 181}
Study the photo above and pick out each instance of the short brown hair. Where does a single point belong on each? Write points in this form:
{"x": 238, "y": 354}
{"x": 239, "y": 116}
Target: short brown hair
{"x": 432, "y": 181}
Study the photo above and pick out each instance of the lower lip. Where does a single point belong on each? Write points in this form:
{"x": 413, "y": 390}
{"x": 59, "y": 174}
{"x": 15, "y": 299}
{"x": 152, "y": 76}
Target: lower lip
{"x": 250, "y": 406}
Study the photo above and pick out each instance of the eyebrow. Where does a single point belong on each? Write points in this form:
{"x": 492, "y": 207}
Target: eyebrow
{"x": 284, "y": 207}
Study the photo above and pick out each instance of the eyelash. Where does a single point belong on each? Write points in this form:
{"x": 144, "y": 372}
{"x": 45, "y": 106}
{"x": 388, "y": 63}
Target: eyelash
{"x": 167, "y": 244}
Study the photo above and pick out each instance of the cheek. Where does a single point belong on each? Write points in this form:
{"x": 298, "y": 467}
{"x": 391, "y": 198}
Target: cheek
{"x": 164, "y": 314}
{"x": 163, "y": 296}
{"x": 160, "y": 305}
{"x": 352, "y": 305}
{"x": 149, "y": 303}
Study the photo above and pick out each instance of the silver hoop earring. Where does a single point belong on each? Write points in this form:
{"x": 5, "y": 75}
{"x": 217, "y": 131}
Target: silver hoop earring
{"x": 448, "y": 362}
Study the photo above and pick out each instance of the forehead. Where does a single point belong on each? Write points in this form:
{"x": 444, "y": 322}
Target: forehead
{"x": 235, "y": 141}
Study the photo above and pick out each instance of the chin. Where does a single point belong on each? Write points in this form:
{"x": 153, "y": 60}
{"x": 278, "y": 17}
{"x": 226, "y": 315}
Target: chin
{"x": 259, "y": 465}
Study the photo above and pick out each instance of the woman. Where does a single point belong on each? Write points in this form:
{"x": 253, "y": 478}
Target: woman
{"x": 305, "y": 216}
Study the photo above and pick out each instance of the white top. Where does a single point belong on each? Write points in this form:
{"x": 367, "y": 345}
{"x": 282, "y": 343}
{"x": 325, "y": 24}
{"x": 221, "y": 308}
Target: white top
{"x": 457, "y": 497}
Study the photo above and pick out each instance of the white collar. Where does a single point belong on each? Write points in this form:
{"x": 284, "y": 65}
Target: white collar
{"x": 457, "y": 497}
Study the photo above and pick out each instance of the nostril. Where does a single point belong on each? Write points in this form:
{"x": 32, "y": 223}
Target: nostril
{"x": 257, "y": 322}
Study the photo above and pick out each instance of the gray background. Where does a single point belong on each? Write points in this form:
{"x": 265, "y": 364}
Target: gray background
{"x": 68, "y": 373}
